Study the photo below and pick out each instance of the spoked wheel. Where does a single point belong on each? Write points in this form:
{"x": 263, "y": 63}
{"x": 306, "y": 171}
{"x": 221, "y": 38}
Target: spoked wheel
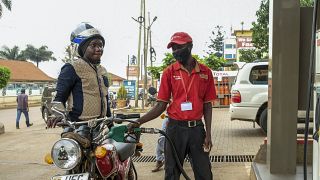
{"x": 45, "y": 115}
{"x": 132, "y": 174}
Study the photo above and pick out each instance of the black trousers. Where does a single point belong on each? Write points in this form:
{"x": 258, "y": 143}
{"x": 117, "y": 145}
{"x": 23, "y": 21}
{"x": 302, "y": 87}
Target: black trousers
{"x": 187, "y": 141}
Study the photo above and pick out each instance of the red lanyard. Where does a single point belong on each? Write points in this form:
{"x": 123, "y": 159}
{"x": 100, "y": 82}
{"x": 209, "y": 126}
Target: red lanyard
{"x": 184, "y": 86}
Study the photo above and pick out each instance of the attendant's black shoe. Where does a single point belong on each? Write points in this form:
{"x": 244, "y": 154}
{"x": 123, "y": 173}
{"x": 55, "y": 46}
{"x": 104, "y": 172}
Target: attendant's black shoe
{"x": 31, "y": 124}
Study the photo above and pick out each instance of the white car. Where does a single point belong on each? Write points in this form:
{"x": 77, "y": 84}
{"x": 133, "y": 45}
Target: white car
{"x": 249, "y": 94}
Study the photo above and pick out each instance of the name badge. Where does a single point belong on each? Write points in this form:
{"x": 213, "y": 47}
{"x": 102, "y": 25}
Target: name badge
{"x": 186, "y": 106}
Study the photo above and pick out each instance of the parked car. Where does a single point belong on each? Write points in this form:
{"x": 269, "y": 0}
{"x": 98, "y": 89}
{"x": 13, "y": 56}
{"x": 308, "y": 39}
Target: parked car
{"x": 47, "y": 96}
{"x": 249, "y": 94}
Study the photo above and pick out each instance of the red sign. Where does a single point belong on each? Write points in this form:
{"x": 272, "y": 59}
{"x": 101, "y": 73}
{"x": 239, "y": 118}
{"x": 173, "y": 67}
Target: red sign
{"x": 132, "y": 70}
{"x": 244, "y": 42}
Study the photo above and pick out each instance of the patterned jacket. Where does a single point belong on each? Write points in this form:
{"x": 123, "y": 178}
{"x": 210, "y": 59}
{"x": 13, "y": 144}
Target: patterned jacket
{"x": 85, "y": 87}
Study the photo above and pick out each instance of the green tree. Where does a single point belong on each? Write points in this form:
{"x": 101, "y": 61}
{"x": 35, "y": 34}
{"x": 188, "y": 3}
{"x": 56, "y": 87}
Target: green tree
{"x": 69, "y": 54}
{"x": 4, "y": 76}
{"x": 155, "y": 71}
{"x": 169, "y": 59}
{"x": 214, "y": 62}
{"x": 109, "y": 76}
{"x": 11, "y": 54}
{"x": 260, "y": 36}
{"x": 166, "y": 61}
{"x": 122, "y": 93}
{"x": 7, "y": 4}
{"x": 38, "y": 55}
{"x": 248, "y": 55}
{"x": 306, "y": 3}
{"x": 216, "y": 42}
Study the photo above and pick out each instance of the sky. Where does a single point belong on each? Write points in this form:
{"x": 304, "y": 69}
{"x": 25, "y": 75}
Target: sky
{"x": 44, "y": 22}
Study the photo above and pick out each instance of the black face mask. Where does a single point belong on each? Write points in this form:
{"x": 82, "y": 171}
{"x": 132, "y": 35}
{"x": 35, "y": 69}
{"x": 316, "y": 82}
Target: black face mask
{"x": 182, "y": 55}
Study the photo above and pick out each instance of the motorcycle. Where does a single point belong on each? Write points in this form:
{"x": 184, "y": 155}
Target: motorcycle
{"x": 95, "y": 149}
{"x": 151, "y": 96}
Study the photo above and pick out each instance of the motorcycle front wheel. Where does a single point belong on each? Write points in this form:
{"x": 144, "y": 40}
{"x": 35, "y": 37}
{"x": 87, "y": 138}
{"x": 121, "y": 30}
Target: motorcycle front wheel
{"x": 131, "y": 174}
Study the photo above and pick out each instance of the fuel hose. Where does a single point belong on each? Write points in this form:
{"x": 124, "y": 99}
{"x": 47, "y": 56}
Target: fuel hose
{"x": 156, "y": 131}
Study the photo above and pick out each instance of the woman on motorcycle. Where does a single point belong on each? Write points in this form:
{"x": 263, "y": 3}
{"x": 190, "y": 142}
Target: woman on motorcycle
{"x": 83, "y": 83}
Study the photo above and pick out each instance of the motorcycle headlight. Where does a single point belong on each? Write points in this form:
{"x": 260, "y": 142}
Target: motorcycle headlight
{"x": 66, "y": 153}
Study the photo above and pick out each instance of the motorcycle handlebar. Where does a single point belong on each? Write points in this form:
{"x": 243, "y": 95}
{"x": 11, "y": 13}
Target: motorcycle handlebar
{"x": 93, "y": 122}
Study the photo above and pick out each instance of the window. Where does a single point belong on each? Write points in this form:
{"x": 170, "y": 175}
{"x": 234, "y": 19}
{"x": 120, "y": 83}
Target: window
{"x": 259, "y": 75}
{"x": 10, "y": 87}
{"x": 228, "y": 56}
{"x": 229, "y": 46}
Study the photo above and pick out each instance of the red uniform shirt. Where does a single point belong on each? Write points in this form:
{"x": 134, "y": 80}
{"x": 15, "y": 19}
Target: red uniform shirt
{"x": 201, "y": 90}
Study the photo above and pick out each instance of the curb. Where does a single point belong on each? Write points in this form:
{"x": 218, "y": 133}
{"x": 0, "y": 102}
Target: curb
{"x": 11, "y": 106}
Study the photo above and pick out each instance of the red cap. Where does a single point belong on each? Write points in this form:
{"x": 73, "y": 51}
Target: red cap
{"x": 179, "y": 38}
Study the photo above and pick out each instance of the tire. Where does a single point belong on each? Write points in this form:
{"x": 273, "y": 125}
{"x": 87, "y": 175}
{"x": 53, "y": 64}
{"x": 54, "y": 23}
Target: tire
{"x": 45, "y": 114}
{"x": 264, "y": 120}
{"x": 131, "y": 174}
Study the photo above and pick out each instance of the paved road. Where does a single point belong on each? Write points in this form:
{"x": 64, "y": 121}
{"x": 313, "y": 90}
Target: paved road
{"x": 22, "y": 151}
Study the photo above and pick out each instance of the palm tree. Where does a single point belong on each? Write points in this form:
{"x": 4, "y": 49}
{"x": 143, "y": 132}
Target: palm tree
{"x": 7, "y": 4}
{"x": 11, "y": 54}
{"x": 38, "y": 55}
{"x": 69, "y": 54}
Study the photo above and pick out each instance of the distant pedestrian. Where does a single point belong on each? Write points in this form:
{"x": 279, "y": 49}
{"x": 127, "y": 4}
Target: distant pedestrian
{"x": 22, "y": 107}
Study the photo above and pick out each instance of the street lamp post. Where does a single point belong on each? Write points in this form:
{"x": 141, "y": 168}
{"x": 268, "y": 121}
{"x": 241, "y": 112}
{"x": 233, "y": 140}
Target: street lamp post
{"x": 147, "y": 31}
{"x": 152, "y": 51}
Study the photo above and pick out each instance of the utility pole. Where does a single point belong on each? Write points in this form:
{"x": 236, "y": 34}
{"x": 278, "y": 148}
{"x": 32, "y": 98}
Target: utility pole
{"x": 128, "y": 68}
{"x": 149, "y": 36}
{"x": 141, "y": 67}
{"x": 140, "y": 20}
{"x": 144, "y": 55}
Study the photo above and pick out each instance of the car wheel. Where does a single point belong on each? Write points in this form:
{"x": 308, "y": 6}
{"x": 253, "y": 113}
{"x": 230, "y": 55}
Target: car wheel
{"x": 263, "y": 120}
{"x": 45, "y": 115}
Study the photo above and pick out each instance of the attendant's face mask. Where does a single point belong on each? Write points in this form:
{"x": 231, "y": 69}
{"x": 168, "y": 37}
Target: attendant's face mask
{"x": 181, "y": 54}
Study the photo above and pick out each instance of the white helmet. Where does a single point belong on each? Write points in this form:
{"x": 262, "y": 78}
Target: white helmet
{"x": 82, "y": 34}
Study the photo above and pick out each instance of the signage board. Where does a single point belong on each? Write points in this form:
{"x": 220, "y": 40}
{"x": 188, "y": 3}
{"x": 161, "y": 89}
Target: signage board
{"x": 130, "y": 86}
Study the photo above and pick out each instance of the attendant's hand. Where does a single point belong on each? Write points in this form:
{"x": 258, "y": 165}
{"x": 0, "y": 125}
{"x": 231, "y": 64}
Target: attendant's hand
{"x": 131, "y": 126}
{"x": 207, "y": 143}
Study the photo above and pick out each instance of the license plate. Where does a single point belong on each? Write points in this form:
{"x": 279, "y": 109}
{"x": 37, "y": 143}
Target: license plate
{"x": 84, "y": 176}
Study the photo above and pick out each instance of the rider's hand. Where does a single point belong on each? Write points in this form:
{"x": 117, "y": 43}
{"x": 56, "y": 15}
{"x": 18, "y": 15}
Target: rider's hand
{"x": 131, "y": 126}
{"x": 53, "y": 121}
